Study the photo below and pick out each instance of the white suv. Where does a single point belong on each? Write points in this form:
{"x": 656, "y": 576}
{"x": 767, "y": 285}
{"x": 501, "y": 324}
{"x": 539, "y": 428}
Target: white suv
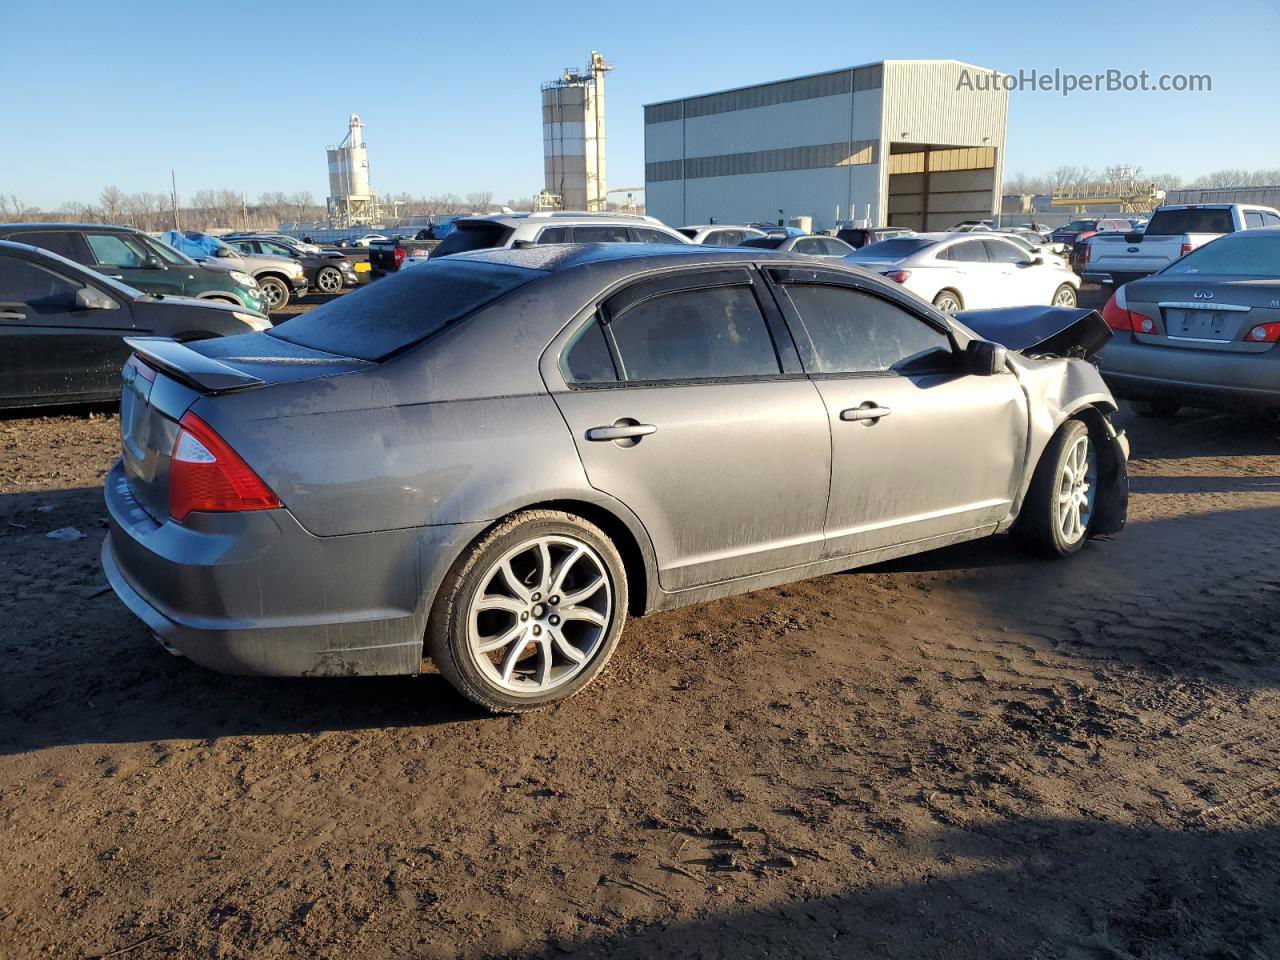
{"x": 506, "y": 230}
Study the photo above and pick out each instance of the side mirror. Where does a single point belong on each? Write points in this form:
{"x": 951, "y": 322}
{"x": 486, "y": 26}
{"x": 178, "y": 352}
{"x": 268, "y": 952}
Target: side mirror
{"x": 153, "y": 263}
{"x": 1037, "y": 261}
{"x": 91, "y": 298}
{"x": 984, "y": 358}
{"x": 223, "y": 252}
{"x": 523, "y": 245}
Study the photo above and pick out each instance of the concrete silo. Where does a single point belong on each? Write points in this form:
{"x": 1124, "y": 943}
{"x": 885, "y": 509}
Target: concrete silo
{"x": 351, "y": 201}
{"x": 573, "y": 142}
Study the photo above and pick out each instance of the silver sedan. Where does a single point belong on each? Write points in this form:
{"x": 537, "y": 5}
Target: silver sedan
{"x": 493, "y": 459}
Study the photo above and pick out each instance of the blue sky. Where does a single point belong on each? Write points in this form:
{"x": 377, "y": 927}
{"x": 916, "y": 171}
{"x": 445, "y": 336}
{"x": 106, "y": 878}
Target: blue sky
{"x": 101, "y": 94}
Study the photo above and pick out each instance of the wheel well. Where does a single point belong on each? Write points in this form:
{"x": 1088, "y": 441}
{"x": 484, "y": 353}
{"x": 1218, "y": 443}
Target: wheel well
{"x": 953, "y": 291}
{"x": 271, "y": 275}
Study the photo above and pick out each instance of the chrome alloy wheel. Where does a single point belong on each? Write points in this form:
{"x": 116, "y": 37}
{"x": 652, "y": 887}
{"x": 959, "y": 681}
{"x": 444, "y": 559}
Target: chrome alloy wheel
{"x": 1076, "y": 486}
{"x": 542, "y": 613}
{"x": 329, "y": 280}
{"x": 1065, "y": 297}
{"x": 947, "y": 303}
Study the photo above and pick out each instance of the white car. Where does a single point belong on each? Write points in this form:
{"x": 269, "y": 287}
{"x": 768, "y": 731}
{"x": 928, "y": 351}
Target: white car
{"x": 367, "y": 239}
{"x": 719, "y": 234}
{"x": 961, "y": 271}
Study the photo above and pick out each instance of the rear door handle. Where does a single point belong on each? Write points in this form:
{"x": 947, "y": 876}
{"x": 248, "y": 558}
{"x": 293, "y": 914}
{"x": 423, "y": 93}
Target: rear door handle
{"x": 867, "y": 412}
{"x": 621, "y": 431}
{"x": 11, "y": 315}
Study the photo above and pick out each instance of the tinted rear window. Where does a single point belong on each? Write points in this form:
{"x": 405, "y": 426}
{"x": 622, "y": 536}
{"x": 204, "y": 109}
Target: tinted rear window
{"x": 892, "y": 249}
{"x": 472, "y": 236}
{"x": 1167, "y": 223}
{"x": 1238, "y": 255}
{"x": 375, "y": 321}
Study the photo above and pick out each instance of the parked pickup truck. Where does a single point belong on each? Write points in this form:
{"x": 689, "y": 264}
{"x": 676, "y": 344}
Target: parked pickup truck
{"x": 388, "y": 256}
{"x": 1173, "y": 232}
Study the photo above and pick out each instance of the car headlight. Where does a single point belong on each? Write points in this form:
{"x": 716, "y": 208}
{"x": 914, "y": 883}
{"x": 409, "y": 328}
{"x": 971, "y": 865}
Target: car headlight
{"x": 243, "y": 279}
{"x": 254, "y": 320}
{"x": 298, "y": 272}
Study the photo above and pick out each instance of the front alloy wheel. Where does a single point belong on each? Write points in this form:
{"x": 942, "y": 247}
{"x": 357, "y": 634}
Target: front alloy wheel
{"x": 275, "y": 291}
{"x": 1064, "y": 296}
{"x": 531, "y": 613}
{"x": 1076, "y": 485}
{"x": 329, "y": 280}
{"x": 1057, "y": 512}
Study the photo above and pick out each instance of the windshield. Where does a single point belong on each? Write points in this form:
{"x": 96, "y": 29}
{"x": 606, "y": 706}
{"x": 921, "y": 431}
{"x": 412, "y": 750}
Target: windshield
{"x": 1235, "y": 255}
{"x": 893, "y": 249}
{"x": 373, "y": 322}
{"x": 768, "y": 243}
{"x": 472, "y": 235}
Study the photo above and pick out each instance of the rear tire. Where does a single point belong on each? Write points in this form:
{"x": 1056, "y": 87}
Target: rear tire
{"x": 530, "y": 613}
{"x": 1163, "y": 408}
{"x": 948, "y": 301}
{"x": 1058, "y": 510}
{"x": 275, "y": 291}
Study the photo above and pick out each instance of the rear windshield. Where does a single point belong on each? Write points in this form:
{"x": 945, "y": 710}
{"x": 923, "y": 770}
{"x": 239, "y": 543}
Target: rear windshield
{"x": 1080, "y": 226}
{"x": 1236, "y": 255}
{"x": 892, "y": 249}
{"x": 1166, "y": 223}
{"x": 472, "y": 236}
{"x": 768, "y": 243}
{"x": 373, "y": 322}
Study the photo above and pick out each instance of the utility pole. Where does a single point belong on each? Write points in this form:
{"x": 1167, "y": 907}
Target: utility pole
{"x": 173, "y": 183}
{"x": 244, "y": 212}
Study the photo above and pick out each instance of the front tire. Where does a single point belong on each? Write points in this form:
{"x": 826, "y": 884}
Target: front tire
{"x": 275, "y": 291}
{"x": 1058, "y": 510}
{"x": 1064, "y": 296}
{"x": 531, "y": 613}
{"x": 329, "y": 280}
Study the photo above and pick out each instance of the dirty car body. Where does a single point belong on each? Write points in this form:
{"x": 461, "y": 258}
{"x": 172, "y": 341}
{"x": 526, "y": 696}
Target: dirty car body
{"x": 726, "y": 419}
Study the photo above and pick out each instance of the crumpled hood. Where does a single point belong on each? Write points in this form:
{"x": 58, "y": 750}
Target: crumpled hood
{"x": 1041, "y": 331}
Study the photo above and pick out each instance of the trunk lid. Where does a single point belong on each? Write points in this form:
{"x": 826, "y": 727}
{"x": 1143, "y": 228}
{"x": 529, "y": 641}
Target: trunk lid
{"x": 163, "y": 378}
{"x": 1205, "y": 312}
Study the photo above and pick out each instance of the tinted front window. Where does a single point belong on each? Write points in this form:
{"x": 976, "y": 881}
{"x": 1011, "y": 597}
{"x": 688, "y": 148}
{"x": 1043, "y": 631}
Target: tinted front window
{"x": 164, "y": 252}
{"x": 116, "y": 250}
{"x": 375, "y": 321}
{"x": 587, "y": 359}
{"x": 695, "y": 335}
{"x": 892, "y": 249}
{"x": 600, "y": 235}
{"x": 65, "y": 243}
{"x": 22, "y": 282}
{"x": 848, "y": 331}
{"x": 1233, "y": 255}
{"x": 645, "y": 235}
{"x": 971, "y": 251}
{"x": 1001, "y": 252}
{"x": 1165, "y": 223}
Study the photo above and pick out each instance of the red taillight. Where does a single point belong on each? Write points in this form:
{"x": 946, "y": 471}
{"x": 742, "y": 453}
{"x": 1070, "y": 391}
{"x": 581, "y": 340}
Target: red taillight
{"x": 399, "y": 255}
{"x": 897, "y": 276}
{"x": 1263, "y": 333}
{"x": 1119, "y": 317}
{"x": 207, "y": 476}
{"x": 1184, "y": 249}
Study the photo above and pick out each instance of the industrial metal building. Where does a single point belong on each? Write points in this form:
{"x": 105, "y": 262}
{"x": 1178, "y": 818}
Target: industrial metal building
{"x": 914, "y": 143}
{"x": 573, "y": 141}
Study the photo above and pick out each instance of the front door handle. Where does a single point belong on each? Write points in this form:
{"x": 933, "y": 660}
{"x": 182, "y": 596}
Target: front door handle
{"x": 11, "y": 315}
{"x": 868, "y": 413}
{"x": 622, "y": 430}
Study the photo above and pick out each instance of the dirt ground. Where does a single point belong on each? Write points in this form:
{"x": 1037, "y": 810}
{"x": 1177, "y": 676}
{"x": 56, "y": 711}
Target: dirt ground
{"x": 958, "y": 755}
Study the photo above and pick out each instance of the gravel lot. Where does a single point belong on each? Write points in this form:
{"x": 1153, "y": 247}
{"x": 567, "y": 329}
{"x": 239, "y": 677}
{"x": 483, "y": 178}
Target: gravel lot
{"x": 959, "y": 755}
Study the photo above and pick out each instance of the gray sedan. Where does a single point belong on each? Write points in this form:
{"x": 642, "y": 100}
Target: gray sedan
{"x": 492, "y": 459}
{"x": 1202, "y": 331}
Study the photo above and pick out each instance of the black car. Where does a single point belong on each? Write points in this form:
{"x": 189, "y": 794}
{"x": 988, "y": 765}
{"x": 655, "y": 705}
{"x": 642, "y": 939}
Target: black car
{"x": 325, "y": 272}
{"x": 62, "y": 327}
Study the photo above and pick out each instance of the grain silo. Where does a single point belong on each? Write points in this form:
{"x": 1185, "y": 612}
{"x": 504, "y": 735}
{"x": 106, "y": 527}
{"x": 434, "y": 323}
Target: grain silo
{"x": 573, "y": 142}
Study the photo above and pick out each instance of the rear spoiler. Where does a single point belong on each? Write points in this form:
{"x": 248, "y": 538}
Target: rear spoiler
{"x": 1041, "y": 331}
{"x": 180, "y": 362}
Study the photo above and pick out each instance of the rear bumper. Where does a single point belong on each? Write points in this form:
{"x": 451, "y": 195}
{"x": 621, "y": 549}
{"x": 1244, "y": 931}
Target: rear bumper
{"x": 253, "y": 593}
{"x": 1113, "y": 278}
{"x": 1235, "y": 381}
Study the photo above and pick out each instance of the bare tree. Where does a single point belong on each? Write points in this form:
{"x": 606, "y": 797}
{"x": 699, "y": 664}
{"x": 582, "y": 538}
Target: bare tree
{"x": 111, "y": 201}
{"x": 480, "y": 201}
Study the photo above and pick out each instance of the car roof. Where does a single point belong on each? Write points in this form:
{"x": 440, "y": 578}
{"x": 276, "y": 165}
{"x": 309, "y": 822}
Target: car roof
{"x": 565, "y": 216}
{"x": 559, "y": 257}
{"x": 123, "y": 228}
